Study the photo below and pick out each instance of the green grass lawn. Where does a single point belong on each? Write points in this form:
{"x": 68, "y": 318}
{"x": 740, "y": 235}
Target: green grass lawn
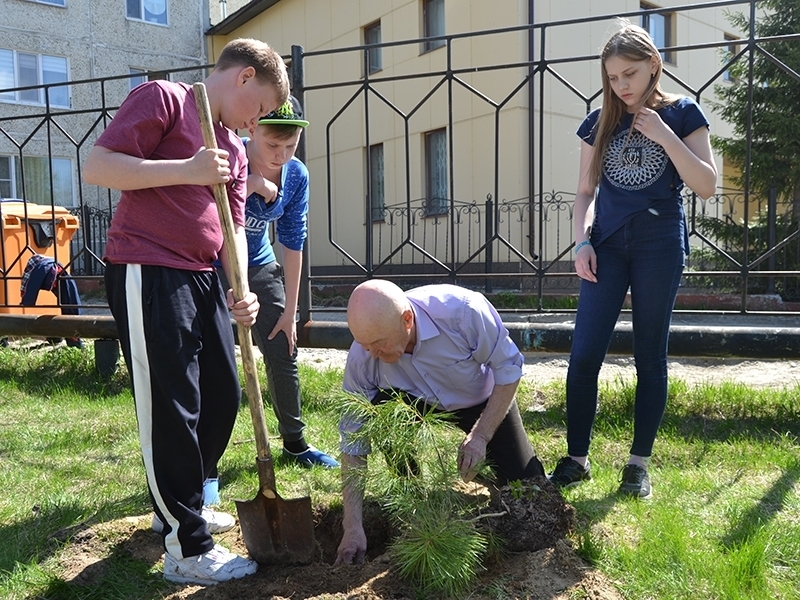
{"x": 724, "y": 522}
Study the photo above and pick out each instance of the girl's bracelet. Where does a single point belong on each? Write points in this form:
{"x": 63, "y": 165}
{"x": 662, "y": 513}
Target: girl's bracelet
{"x": 581, "y": 245}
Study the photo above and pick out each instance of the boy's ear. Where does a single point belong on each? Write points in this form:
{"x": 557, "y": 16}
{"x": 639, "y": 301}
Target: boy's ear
{"x": 245, "y": 75}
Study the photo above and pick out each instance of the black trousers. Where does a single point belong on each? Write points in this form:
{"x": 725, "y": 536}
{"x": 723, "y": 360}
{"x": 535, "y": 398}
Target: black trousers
{"x": 175, "y": 334}
{"x": 509, "y": 452}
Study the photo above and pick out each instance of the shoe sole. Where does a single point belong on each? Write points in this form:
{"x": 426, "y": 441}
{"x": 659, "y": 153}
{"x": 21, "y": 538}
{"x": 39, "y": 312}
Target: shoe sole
{"x": 178, "y": 579}
{"x": 195, "y": 581}
{"x": 308, "y": 464}
{"x": 632, "y": 494}
{"x": 571, "y": 484}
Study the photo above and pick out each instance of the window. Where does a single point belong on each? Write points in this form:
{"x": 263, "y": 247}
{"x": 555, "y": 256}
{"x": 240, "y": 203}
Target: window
{"x": 152, "y": 11}
{"x": 138, "y": 76}
{"x": 53, "y": 2}
{"x": 660, "y": 27}
{"x": 372, "y": 35}
{"x": 377, "y": 201}
{"x": 436, "y": 172}
{"x": 432, "y": 23}
{"x": 37, "y": 179}
{"x": 731, "y": 51}
{"x": 6, "y": 181}
{"x": 19, "y": 69}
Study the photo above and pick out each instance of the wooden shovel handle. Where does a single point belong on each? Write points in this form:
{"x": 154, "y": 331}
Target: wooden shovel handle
{"x": 266, "y": 470}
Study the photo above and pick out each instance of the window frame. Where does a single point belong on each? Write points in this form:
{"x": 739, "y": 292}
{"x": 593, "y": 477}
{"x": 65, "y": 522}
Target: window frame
{"x": 10, "y": 180}
{"x": 142, "y": 14}
{"x": 373, "y": 56}
{"x": 668, "y": 57}
{"x": 731, "y": 51}
{"x": 18, "y": 58}
{"x": 376, "y": 178}
{"x": 431, "y": 28}
{"x": 436, "y": 204}
{"x": 16, "y": 187}
{"x": 137, "y": 75}
{"x": 58, "y": 3}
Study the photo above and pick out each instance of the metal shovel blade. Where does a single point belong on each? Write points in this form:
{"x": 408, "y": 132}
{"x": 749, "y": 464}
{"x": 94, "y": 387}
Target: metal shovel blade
{"x": 277, "y": 531}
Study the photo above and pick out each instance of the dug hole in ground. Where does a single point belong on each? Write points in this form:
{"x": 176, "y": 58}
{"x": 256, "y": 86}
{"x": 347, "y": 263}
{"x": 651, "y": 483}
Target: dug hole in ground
{"x": 549, "y": 569}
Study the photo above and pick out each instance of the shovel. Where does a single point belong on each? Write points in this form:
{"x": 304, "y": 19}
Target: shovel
{"x": 275, "y": 531}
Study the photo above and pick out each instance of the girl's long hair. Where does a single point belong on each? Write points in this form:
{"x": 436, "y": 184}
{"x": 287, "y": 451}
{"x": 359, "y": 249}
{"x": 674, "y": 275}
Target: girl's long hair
{"x": 635, "y": 44}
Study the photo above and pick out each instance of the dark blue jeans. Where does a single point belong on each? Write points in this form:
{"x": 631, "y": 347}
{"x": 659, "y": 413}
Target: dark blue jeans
{"x": 266, "y": 282}
{"x": 647, "y": 256}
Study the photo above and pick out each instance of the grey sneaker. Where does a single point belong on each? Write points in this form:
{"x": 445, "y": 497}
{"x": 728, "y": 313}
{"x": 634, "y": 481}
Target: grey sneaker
{"x": 216, "y": 521}
{"x": 214, "y": 566}
{"x": 635, "y": 482}
{"x": 569, "y": 473}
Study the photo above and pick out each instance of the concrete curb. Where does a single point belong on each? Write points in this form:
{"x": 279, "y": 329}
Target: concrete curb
{"x": 685, "y": 340}
{"x": 753, "y": 341}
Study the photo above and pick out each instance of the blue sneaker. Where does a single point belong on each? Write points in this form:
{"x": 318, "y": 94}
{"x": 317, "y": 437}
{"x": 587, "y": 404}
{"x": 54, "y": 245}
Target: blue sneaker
{"x": 312, "y": 458}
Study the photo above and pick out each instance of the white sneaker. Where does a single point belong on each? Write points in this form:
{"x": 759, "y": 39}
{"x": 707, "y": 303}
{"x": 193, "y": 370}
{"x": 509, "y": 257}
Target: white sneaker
{"x": 216, "y": 521}
{"x": 214, "y": 566}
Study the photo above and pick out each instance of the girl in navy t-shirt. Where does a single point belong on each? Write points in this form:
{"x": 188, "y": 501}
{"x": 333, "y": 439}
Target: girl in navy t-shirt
{"x": 637, "y": 152}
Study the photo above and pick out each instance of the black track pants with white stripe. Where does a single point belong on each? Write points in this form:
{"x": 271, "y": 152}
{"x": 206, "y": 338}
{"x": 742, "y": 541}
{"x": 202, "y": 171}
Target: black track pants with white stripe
{"x": 176, "y": 337}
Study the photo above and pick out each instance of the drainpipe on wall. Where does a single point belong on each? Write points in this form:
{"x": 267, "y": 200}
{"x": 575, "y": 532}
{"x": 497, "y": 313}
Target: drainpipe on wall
{"x": 531, "y": 142}
{"x": 205, "y": 25}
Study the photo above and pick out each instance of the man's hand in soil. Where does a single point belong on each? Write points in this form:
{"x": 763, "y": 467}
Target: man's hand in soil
{"x": 352, "y": 548}
{"x": 471, "y": 455}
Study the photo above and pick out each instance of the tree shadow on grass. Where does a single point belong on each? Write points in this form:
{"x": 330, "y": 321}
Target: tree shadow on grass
{"x": 692, "y": 424}
{"x": 50, "y": 527}
{"x": 53, "y": 370}
{"x": 765, "y": 510}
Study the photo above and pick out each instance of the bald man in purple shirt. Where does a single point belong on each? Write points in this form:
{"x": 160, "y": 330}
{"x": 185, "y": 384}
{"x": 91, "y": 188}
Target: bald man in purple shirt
{"x": 446, "y": 347}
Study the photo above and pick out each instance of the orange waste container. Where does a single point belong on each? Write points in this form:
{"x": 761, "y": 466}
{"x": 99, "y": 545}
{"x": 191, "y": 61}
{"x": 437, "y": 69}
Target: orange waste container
{"x": 30, "y": 229}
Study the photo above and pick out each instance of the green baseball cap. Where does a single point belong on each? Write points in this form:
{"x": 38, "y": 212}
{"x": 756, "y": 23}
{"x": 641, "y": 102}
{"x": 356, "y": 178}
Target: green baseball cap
{"x": 289, "y": 113}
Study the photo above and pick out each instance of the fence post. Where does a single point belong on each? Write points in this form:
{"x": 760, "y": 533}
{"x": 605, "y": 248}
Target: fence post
{"x": 298, "y": 91}
{"x": 489, "y": 233}
{"x": 772, "y": 205}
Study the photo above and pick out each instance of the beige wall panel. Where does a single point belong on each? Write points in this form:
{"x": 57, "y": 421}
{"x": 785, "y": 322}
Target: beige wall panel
{"x": 577, "y": 39}
{"x": 372, "y": 10}
{"x": 385, "y": 124}
{"x": 346, "y": 20}
{"x": 340, "y": 23}
{"x": 514, "y": 163}
{"x": 348, "y": 199}
{"x": 397, "y": 188}
{"x": 347, "y": 130}
{"x": 497, "y": 14}
{"x": 474, "y": 160}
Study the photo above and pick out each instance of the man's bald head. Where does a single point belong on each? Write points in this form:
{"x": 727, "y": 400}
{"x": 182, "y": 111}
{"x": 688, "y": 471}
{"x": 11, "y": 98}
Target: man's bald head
{"x": 381, "y": 319}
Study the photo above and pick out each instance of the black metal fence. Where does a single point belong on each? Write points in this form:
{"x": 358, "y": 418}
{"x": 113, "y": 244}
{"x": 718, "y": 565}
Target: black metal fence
{"x": 742, "y": 244}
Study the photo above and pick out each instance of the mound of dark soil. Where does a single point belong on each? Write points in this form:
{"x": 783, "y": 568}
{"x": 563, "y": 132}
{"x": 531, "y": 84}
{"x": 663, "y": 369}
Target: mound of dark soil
{"x": 533, "y": 515}
{"x": 539, "y": 563}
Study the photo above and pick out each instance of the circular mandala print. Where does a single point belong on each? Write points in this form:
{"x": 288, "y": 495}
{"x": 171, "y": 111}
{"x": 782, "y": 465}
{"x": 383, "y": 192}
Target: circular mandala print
{"x": 639, "y": 164}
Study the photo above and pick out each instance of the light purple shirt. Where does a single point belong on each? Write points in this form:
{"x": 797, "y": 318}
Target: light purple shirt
{"x": 462, "y": 350}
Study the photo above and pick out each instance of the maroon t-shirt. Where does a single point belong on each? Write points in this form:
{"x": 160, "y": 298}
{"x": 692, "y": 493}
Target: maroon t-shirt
{"x": 172, "y": 226}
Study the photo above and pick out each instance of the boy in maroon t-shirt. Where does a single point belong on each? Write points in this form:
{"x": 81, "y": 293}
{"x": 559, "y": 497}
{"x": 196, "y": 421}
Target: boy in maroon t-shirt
{"x": 171, "y": 313}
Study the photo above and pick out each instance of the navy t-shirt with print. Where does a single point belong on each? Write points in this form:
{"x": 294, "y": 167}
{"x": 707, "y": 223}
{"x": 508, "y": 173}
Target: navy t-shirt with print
{"x": 641, "y": 176}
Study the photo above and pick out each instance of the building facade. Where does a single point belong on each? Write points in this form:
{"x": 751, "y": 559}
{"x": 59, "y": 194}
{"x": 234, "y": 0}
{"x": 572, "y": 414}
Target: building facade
{"x": 48, "y": 128}
{"x": 410, "y": 137}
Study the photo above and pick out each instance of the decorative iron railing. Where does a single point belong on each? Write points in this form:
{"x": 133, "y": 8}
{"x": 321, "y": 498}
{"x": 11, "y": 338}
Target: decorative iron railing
{"x": 742, "y": 244}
